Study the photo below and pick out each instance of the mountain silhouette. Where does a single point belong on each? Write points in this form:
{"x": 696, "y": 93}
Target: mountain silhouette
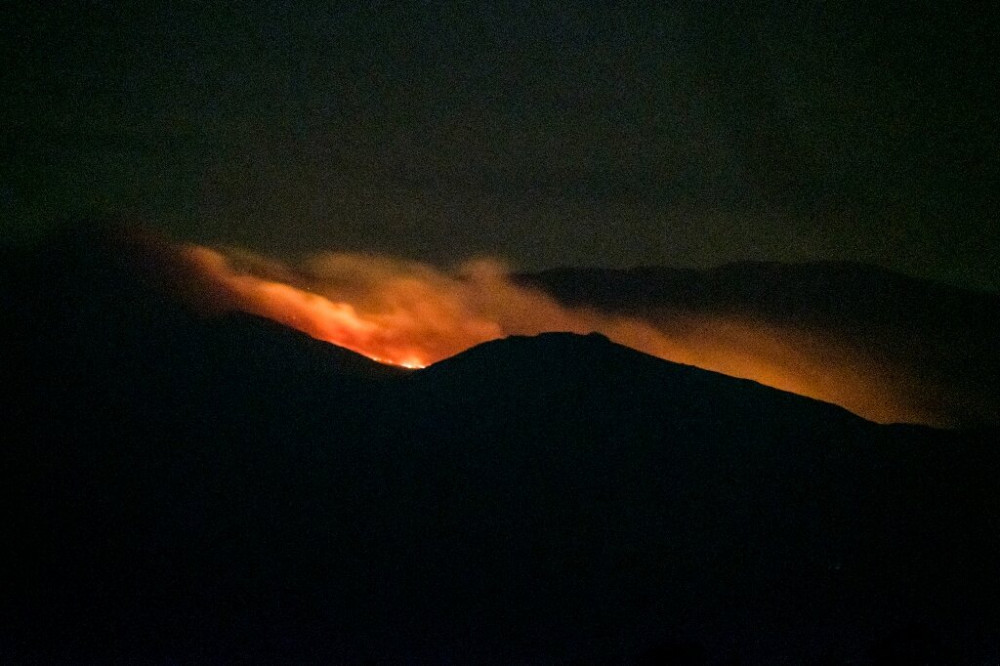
{"x": 179, "y": 487}
{"x": 934, "y": 342}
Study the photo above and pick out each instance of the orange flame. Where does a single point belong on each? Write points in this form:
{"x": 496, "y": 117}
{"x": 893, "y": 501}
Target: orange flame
{"x": 410, "y": 314}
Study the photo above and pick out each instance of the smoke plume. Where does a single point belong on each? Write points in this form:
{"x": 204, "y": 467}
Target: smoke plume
{"x": 411, "y": 314}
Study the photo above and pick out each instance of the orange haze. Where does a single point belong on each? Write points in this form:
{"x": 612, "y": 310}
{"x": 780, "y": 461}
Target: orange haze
{"x": 411, "y": 314}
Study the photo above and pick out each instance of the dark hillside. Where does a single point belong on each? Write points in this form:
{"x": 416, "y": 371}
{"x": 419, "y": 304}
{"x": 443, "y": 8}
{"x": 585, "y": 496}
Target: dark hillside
{"x": 938, "y": 341}
{"x": 180, "y": 488}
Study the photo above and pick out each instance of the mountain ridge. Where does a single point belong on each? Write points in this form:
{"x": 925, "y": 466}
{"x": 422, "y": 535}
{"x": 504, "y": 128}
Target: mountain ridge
{"x": 182, "y": 488}
{"x": 935, "y": 344}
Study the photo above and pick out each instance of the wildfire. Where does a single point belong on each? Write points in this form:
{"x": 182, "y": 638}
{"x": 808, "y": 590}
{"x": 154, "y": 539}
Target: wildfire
{"x": 407, "y": 323}
{"x": 412, "y": 315}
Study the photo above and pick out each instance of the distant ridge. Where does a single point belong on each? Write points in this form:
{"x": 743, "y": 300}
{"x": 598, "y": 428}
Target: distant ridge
{"x": 939, "y": 340}
{"x": 834, "y": 287}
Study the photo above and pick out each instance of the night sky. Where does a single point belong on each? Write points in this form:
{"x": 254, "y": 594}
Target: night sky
{"x": 546, "y": 133}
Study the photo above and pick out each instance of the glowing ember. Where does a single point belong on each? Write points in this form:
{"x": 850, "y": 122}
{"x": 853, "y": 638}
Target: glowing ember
{"x": 411, "y": 315}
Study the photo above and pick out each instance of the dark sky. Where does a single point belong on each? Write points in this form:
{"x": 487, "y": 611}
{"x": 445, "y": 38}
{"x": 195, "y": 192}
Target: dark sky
{"x": 550, "y": 133}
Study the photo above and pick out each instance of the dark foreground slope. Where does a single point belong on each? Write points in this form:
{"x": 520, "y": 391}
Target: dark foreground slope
{"x": 176, "y": 488}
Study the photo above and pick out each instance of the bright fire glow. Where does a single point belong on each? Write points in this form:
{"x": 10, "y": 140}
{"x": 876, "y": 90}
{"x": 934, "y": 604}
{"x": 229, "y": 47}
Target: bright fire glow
{"x": 410, "y": 314}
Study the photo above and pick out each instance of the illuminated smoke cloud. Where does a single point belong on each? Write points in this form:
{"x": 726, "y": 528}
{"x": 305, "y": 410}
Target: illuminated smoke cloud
{"x": 412, "y": 314}
{"x": 401, "y": 312}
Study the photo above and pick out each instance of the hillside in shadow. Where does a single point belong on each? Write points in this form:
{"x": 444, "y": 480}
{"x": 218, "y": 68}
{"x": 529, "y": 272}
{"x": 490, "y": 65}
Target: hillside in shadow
{"x": 874, "y": 330}
{"x": 186, "y": 488}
